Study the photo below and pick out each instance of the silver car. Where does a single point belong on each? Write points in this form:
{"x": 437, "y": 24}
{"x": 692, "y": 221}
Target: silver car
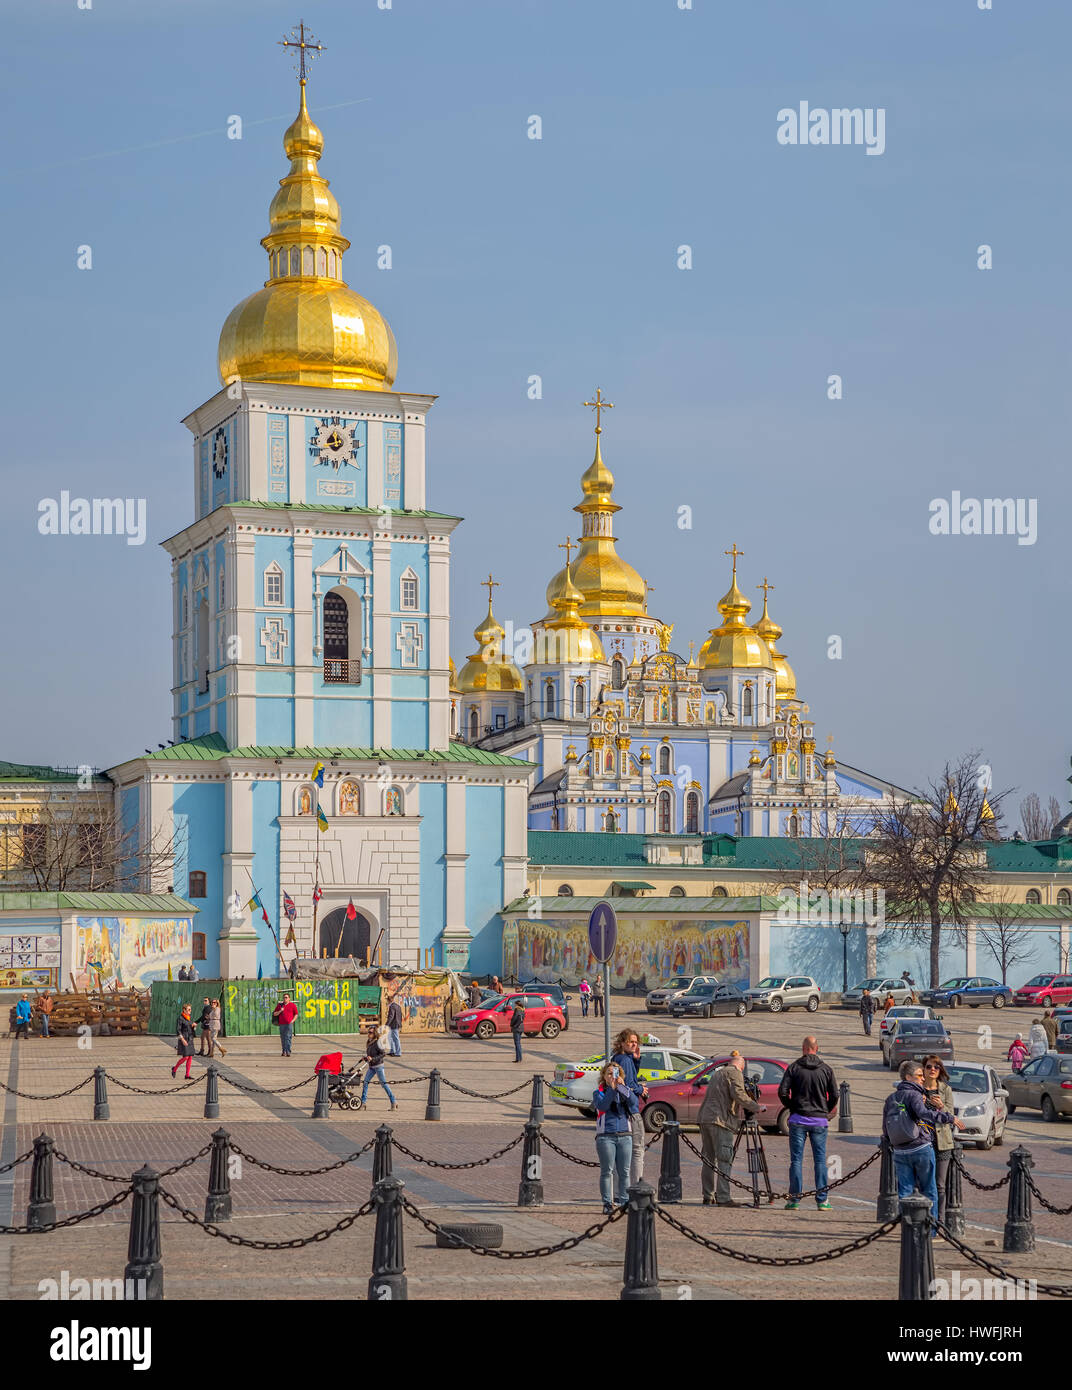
{"x": 979, "y": 1100}
{"x": 879, "y": 986}
{"x": 658, "y": 1000}
{"x": 574, "y": 1083}
{"x": 778, "y": 992}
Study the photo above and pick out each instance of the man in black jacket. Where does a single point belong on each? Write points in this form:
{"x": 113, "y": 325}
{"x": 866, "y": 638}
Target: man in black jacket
{"x": 810, "y": 1091}
{"x": 394, "y": 1027}
{"x": 868, "y": 1005}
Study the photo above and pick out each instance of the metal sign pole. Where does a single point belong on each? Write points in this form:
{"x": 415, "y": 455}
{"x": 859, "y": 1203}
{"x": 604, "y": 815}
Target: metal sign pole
{"x": 606, "y": 1011}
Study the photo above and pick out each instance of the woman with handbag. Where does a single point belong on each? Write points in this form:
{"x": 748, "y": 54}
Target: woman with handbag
{"x": 184, "y": 1041}
{"x": 940, "y": 1096}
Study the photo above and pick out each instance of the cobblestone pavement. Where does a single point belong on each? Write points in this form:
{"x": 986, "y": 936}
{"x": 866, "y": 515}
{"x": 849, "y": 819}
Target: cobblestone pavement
{"x": 163, "y": 1129}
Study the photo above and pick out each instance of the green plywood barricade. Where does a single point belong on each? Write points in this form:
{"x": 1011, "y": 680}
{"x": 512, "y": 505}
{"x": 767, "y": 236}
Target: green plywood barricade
{"x": 324, "y": 1006}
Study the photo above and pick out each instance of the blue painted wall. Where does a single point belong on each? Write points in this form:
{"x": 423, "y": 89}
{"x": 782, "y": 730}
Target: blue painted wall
{"x": 265, "y": 811}
{"x": 433, "y": 872}
{"x": 484, "y": 841}
{"x": 201, "y": 809}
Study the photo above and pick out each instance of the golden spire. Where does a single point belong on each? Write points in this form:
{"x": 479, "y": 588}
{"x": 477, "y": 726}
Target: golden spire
{"x": 785, "y": 685}
{"x": 306, "y": 326}
{"x": 486, "y": 668}
{"x": 735, "y": 643}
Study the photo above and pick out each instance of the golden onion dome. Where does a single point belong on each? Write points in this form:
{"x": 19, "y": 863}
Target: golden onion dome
{"x": 566, "y": 639}
{"x": 306, "y": 326}
{"x": 735, "y": 643}
{"x": 486, "y": 669}
{"x": 785, "y": 681}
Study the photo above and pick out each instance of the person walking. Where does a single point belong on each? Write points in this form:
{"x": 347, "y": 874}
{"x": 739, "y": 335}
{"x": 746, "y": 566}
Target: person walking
{"x": 809, "y": 1090}
{"x": 206, "y": 1011}
{"x": 44, "y": 1005}
{"x": 627, "y": 1056}
{"x": 584, "y": 989}
{"x": 517, "y": 1025}
{"x": 23, "y": 1014}
{"x": 1049, "y": 1026}
{"x": 374, "y": 1056}
{"x": 1018, "y": 1052}
{"x": 184, "y": 1041}
{"x": 215, "y": 1021}
{"x": 615, "y": 1105}
{"x": 284, "y": 1014}
{"x": 868, "y": 1005}
{"x": 908, "y": 1123}
{"x": 1037, "y": 1042}
{"x": 724, "y": 1109}
{"x": 394, "y": 1027}
{"x": 940, "y": 1097}
{"x": 597, "y": 996}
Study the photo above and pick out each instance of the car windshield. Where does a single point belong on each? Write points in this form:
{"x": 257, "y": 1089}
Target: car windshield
{"x": 1038, "y": 980}
{"x": 930, "y": 1027}
{"x": 772, "y": 982}
{"x": 690, "y": 1072}
{"x": 909, "y": 1011}
{"x": 699, "y": 987}
{"x": 953, "y": 984}
{"x": 678, "y": 982}
{"x": 868, "y": 984}
{"x": 969, "y": 1080}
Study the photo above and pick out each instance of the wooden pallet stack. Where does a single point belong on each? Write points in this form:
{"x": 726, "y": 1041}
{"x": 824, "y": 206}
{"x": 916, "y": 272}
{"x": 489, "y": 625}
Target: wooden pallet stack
{"x": 71, "y": 1011}
{"x": 126, "y": 1012}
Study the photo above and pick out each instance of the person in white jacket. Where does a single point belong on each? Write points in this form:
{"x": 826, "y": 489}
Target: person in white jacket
{"x": 1036, "y": 1040}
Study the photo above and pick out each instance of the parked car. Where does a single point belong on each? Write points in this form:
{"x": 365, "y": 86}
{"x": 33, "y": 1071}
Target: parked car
{"x": 557, "y": 993}
{"x": 902, "y": 1011}
{"x": 912, "y": 1039}
{"x": 680, "y": 1098}
{"x": 1043, "y": 991}
{"x": 879, "y": 987}
{"x": 708, "y": 1000}
{"x": 778, "y": 992}
{"x": 542, "y": 1015}
{"x": 1044, "y": 1084}
{"x": 972, "y": 990}
{"x": 658, "y": 1000}
{"x": 574, "y": 1083}
{"x": 1063, "y": 1019}
{"x": 979, "y": 1100}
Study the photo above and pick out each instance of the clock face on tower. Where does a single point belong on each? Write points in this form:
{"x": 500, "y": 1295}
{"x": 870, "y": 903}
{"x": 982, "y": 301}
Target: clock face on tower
{"x": 219, "y": 453}
{"x": 334, "y": 443}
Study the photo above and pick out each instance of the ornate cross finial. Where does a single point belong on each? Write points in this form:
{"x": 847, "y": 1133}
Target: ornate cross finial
{"x": 764, "y": 586}
{"x": 302, "y": 39}
{"x": 568, "y": 547}
{"x": 830, "y": 740}
{"x": 599, "y": 405}
{"x": 490, "y": 584}
{"x": 736, "y": 556}
{"x": 692, "y": 648}
{"x": 650, "y": 589}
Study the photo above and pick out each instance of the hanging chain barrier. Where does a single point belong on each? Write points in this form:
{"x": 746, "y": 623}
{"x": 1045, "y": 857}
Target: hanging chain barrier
{"x": 297, "y": 1244}
{"x": 57, "y": 1095}
{"x": 795, "y": 1196}
{"x": 474, "y": 1163}
{"x": 1057, "y": 1211}
{"x": 1053, "y": 1290}
{"x": 167, "y": 1091}
{"x": 570, "y": 1243}
{"x": 778, "y": 1261}
{"x": 581, "y": 1162}
{"x": 70, "y": 1220}
{"x": 7, "y": 1167}
{"x": 479, "y": 1095}
{"x": 266, "y": 1090}
{"x": 302, "y": 1172}
{"x": 114, "y": 1177}
{"x": 993, "y": 1186}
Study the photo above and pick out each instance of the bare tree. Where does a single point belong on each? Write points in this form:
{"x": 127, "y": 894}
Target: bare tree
{"x": 1005, "y": 933}
{"x": 1036, "y": 823}
{"x": 928, "y": 854}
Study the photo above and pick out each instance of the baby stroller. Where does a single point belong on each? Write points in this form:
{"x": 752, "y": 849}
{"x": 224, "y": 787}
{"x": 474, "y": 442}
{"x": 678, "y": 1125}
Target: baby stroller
{"x": 339, "y": 1087}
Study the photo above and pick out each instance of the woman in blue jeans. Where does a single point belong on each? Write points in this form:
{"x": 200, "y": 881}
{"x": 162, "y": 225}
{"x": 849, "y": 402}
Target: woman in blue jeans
{"x": 374, "y": 1056}
{"x": 615, "y": 1105}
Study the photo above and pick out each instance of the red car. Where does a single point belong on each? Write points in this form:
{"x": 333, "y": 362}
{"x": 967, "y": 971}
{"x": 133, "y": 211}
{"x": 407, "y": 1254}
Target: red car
{"x": 681, "y": 1097}
{"x": 1043, "y": 991}
{"x": 542, "y": 1015}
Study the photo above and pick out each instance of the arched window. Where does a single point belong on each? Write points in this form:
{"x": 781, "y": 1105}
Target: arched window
{"x": 565, "y": 891}
{"x": 408, "y": 592}
{"x": 664, "y": 813}
{"x": 474, "y": 725}
{"x": 307, "y": 260}
{"x": 794, "y": 825}
{"x": 305, "y": 802}
{"x": 295, "y": 261}
{"x": 578, "y": 698}
{"x": 197, "y": 885}
{"x": 664, "y": 758}
{"x": 453, "y": 719}
{"x": 617, "y": 673}
{"x": 677, "y": 891}
{"x": 392, "y": 802}
{"x": 1064, "y": 898}
{"x": 549, "y": 698}
{"x": 197, "y": 945}
{"x": 273, "y": 586}
{"x": 746, "y": 703}
{"x": 342, "y": 636}
{"x": 611, "y": 822}
{"x": 321, "y": 261}
{"x": 718, "y": 891}
{"x": 202, "y": 643}
{"x": 692, "y": 813}
{"x": 1033, "y": 896}
{"x": 223, "y": 590}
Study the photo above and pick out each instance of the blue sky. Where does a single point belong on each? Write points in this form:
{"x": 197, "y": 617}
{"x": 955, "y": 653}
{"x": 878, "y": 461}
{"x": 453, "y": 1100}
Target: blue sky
{"x": 557, "y": 257}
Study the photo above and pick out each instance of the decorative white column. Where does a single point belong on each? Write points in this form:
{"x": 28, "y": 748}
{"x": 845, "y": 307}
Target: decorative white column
{"x": 238, "y": 939}
{"x": 301, "y": 652}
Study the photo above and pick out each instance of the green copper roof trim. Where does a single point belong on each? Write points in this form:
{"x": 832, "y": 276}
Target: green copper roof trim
{"x": 26, "y": 772}
{"x": 213, "y": 747}
{"x": 97, "y": 903}
{"x": 338, "y": 507}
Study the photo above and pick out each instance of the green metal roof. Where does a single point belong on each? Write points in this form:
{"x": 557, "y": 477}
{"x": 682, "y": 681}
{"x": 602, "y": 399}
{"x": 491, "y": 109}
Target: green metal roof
{"x": 97, "y": 903}
{"x": 1031, "y": 856}
{"x": 212, "y": 747}
{"x": 25, "y": 772}
{"x": 633, "y": 885}
{"x": 337, "y": 507}
{"x": 659, "y": 907}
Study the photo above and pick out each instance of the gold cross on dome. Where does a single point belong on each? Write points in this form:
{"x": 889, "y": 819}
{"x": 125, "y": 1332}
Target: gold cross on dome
{"x": 648, "y": 589}
{"x": 737, "y": 554}
{"x": 490, "y": 584}
{"x": 302, "y": 39}
{"x": 764, "y": 586}
{"x": 599, "y": 405}
{"x": 568, "y": 548}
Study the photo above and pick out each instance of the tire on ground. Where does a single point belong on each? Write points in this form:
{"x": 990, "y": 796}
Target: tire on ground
{"x": 476, "y": 1233}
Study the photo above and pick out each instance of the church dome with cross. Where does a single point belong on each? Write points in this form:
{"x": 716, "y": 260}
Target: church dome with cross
{"x": 735, "y": 644}
{"x": 306, "y": 326}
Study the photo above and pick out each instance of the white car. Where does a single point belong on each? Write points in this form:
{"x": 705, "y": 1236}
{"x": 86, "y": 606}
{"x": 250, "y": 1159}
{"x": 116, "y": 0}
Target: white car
{"x": 902, "y": 1011}
{"x": 778, "y": 992}
{"x": 979, "y": 1100}
{"x": 658, "y": 1000}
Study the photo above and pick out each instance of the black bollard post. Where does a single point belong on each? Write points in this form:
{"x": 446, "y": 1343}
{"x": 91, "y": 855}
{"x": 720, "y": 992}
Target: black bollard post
{"x": 218, "y": 1201}
{"x": 916, "y": 1281}
{"x": 381, "y": 1154}
{"x": 954, "y": 1194}
{"x": 212, "y": 1094}
{"x": 431, "y": 1109}
{"x": 388, "y": 1282}
{"x": 42, "y": 1209}
{"x": 144, "y": 1273}
{"x": 641, "y": 1281}
{"x": 322, "y": 1101}
{"x": 1019, "y": 1225}
{"x": 670, "y": 1166}
{"x": 887, "y": 1208}
{"x": 844, "y": 1122}
{"x": 100, "y": 1094}
{"x": 530, "y": 1193}
{"x": 536, "y": 1107}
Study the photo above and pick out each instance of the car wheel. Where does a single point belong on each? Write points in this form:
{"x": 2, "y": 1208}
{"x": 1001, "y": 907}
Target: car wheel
{"x": 485, "y": 1234}
{"x": 484, "y": 1030}
{"x": 782, "y": 1127}
{"x": 813, "y": 1004}
{"x": 707, "y": 1013}
{"x": 988, "y": 1142}
{"x": 657, "y": 1115}
{"x": 954, "y": 1001}
{"x": 742, "y": 1009}
{"x": 776, "y": 1006}
{"x": 1046, "y": 1003}
{"x": 999, "y": 1001}
{"x": 1049, "y": 1110}
{"x": 551, "y": 1028}
{"x": 999, "y": 1139}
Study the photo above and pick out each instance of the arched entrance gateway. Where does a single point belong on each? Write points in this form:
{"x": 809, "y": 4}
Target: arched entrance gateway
{"x": 356, "y": 935}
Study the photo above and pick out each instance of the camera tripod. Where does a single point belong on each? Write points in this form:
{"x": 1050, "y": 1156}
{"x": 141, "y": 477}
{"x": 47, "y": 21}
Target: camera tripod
{"x": 753, "y": 1143}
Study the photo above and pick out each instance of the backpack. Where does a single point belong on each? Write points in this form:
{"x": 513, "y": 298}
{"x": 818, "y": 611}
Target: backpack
{"x": 897, "y": 1124}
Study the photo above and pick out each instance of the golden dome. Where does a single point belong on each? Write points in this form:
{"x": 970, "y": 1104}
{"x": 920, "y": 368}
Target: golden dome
{"x": 735, "y": 643}
{"x": 486, "y": 669}
{"x": 566, "y": 639}
{"x": 785, "y": 681}
{"x": 306, "y": 326}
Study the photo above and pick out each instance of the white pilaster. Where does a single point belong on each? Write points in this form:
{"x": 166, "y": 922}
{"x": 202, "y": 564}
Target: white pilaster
{"x": 301, "y": 655}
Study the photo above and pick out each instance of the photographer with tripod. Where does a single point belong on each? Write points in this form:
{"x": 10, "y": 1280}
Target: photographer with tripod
{"x": 725, "y": 1108}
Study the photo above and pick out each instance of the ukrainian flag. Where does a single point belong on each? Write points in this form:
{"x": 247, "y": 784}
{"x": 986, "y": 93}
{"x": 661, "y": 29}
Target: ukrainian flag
{"x": 318, "y": 774}
{"x": 254, "y": 903}
{"x": 321, "y": 819}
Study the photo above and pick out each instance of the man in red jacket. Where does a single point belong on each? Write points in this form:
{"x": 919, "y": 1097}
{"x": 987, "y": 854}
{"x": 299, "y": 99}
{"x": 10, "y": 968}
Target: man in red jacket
{"x": 284, "y": 1015}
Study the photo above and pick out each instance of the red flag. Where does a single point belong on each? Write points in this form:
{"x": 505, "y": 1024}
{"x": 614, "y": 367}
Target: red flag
{"x": 351, "y": 911}
{"x": 317, "y": 895}
{"x": 264, "y": 914}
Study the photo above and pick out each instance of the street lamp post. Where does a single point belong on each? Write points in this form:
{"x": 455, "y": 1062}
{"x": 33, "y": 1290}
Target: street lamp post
{"x": 845, "y": 928}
